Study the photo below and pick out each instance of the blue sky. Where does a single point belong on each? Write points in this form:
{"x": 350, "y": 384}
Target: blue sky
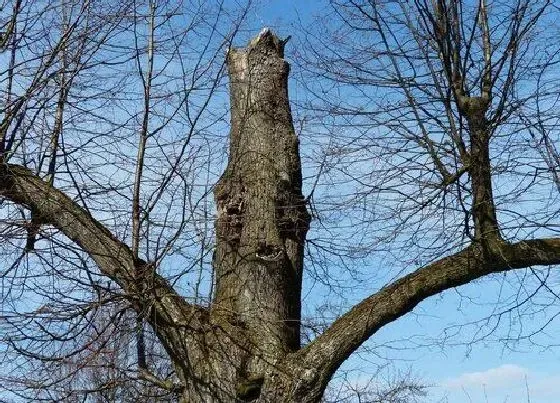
{"x": 490, "y": 370}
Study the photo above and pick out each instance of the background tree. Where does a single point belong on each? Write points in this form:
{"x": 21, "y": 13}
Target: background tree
{"x": 129, "y": 163}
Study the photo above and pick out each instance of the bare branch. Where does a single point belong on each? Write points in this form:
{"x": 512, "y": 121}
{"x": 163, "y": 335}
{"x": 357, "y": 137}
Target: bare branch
{"x": 325, "y": 354}
{"x": 148, "y": 293}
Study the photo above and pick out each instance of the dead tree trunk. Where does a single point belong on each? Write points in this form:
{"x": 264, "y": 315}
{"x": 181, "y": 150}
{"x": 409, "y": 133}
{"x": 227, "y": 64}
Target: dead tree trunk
{"x": 262, "y": 220}
{"x": 261, "y": 226}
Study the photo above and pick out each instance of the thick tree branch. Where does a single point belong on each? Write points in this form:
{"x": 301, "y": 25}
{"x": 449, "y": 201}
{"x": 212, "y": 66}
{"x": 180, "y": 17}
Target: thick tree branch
{"x": 148, "y": 292}
{"x": 325, "y": 354}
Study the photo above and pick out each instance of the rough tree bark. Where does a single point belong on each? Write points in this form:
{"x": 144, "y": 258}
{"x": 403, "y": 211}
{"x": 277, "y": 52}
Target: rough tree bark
{"x": 262, "y": 220}
{"x": 247, "y": 346}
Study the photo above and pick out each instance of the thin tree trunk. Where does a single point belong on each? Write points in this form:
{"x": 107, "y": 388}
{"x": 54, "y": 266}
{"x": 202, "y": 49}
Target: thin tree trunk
{"x": 483, "y": 207}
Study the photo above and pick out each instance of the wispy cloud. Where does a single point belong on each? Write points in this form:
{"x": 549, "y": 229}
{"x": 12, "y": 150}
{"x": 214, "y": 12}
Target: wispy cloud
{"x": 508, "y": 383}
{"x": 502, "y": 376}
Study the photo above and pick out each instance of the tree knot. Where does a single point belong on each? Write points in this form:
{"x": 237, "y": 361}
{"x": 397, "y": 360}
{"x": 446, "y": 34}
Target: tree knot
{"x": 269, "y": 253}
{"x": 249, "y": 389}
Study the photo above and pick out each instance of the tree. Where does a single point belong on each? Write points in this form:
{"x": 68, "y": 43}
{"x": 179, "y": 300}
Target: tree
{"x": 245, "y": 344}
